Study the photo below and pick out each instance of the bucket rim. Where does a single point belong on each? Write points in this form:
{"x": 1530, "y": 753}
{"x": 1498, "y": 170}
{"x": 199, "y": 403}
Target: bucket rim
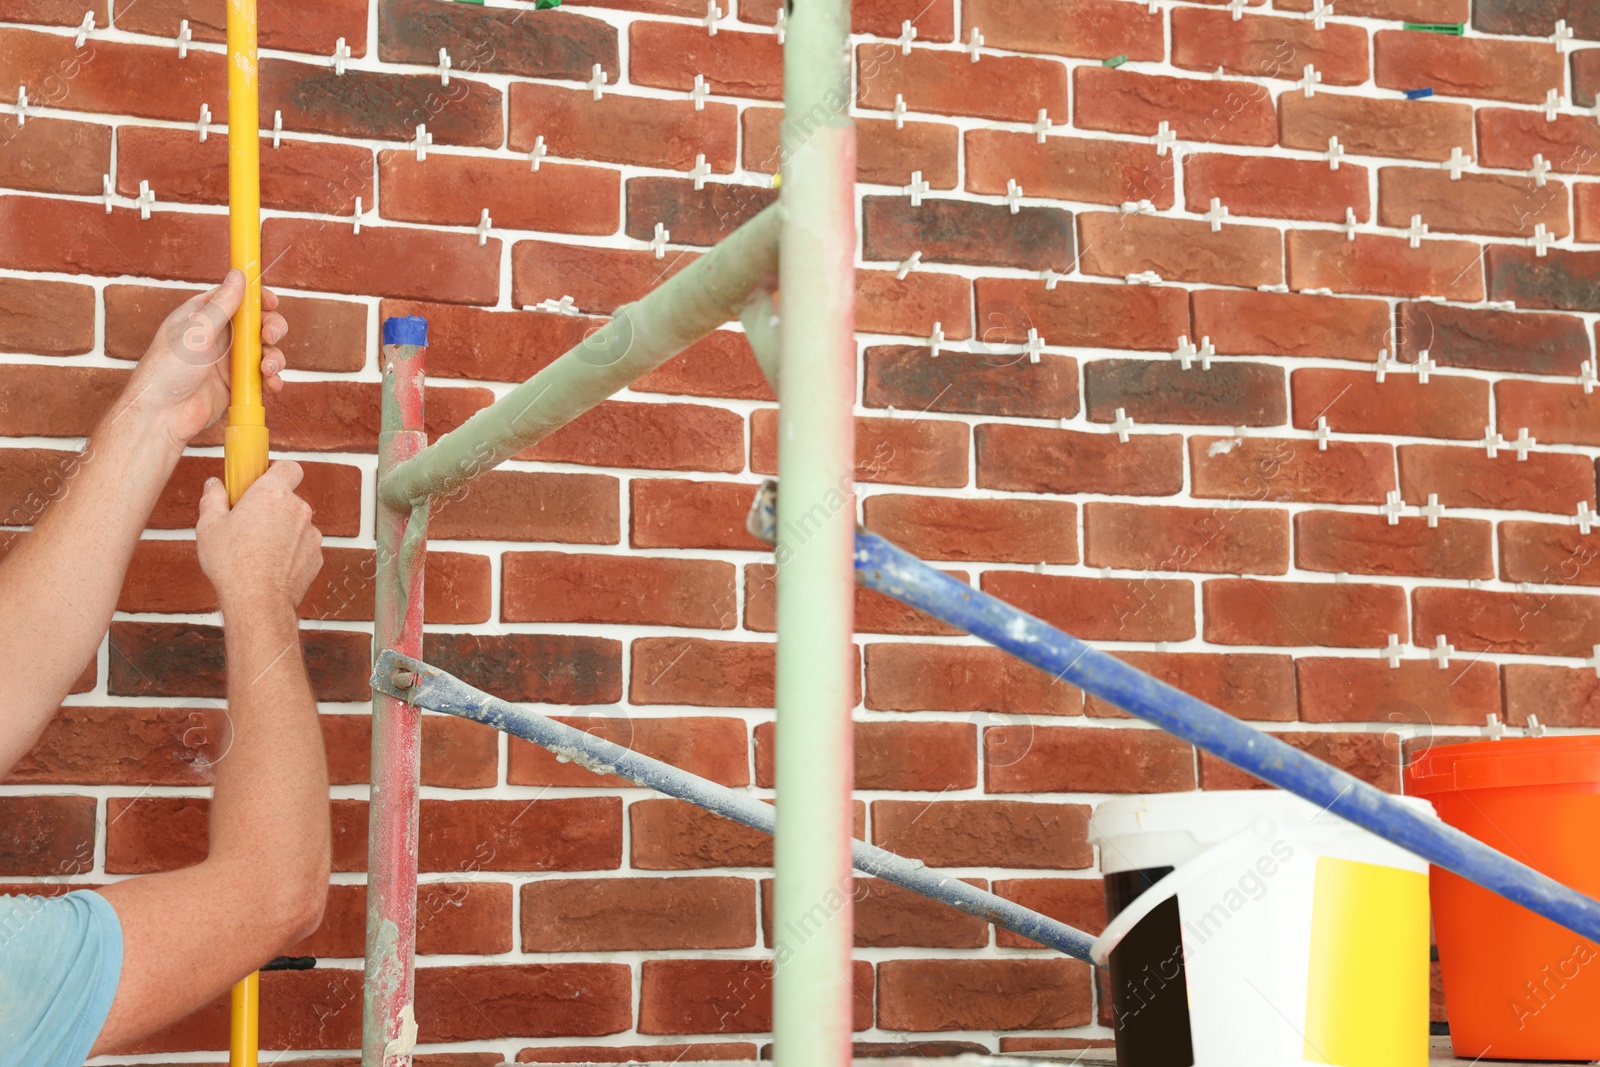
{"x": 1509, "y": 762}
{"x": 1210, "y": 815}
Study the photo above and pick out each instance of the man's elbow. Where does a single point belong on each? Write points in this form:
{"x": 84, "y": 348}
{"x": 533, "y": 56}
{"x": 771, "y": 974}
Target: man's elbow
{"x": 297, "y": 907}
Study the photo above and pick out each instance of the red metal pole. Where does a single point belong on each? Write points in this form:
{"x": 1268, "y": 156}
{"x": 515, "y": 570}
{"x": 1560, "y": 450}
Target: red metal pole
{"x": 388, "y": 1028}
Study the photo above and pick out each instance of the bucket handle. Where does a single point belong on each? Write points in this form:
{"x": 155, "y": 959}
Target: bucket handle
{"x": 1168, "y": 886}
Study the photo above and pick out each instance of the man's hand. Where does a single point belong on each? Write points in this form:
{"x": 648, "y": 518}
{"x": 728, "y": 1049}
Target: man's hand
{"x": 264, "y": 552}
{"x": 183, "y": 376}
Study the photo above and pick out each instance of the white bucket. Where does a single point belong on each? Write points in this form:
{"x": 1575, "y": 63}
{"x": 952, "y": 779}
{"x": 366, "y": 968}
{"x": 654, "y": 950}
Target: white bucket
{"x": 1250, "y": 929}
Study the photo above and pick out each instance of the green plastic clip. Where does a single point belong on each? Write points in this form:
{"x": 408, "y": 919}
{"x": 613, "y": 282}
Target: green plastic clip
{"x": 1115, "y": 61}
{"x": 544, "y": 5}
{"x": 1455, "y": 29}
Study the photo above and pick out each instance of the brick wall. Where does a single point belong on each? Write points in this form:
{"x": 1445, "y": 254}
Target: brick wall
{"x": 1218, "y": 521}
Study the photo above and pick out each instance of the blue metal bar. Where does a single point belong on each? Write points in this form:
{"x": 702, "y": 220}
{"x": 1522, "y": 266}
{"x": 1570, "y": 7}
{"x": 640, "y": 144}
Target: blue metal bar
{"x": 428, "y": 687}
{"x": 895, "y": 572}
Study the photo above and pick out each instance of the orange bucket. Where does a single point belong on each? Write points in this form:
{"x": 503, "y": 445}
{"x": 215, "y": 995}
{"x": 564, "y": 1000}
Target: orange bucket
{"x": 1516, "y": 985}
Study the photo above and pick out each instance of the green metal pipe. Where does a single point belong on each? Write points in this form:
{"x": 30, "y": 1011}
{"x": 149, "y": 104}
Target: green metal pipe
{"x": 639, "y": 338}
{"x": 816, "y": 576}
{"x": 761, "y": 331}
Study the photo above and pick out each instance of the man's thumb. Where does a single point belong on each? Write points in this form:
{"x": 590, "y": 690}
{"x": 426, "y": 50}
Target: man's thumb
{"x": 213, "y": 500}
{"x": 225, "y": 299}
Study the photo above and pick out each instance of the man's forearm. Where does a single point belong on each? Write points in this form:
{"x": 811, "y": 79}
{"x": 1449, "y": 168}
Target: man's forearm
{"x": 59, "y": 586}
{"x": 270, "y": 801}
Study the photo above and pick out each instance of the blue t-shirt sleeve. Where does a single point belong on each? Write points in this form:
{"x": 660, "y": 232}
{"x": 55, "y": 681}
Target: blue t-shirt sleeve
{"x": 60, "y": 958}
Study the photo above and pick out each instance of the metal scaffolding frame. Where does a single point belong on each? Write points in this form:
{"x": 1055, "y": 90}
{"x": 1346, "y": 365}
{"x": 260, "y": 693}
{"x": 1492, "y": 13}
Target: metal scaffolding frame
{"x": 804, "y": 246}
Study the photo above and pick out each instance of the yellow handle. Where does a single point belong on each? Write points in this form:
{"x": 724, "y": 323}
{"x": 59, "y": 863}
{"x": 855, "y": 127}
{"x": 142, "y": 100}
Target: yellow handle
{"x": 244, "y": 1021}
{"x": 244, "y": 444}
{"x": 245, "y": 441}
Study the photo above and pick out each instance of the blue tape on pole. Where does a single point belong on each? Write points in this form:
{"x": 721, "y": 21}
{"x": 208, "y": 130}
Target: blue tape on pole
{"x": 405, "y": 330}
{"x": 434, "y": 690}
{"x": 891, "y": 570}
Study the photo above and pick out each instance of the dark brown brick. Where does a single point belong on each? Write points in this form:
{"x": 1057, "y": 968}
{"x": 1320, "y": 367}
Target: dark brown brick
{"x": 694, "y": 217}
{"x": 489, "y": 39}
{"x": 1488, "y": 339}
{"x": 46, "y": 835}
{"x": 1564, "y": 280}
{"x": 1161, "y": 391}
{"x": 380, "y": 104}
{"x": 178, "y": 659}
{"x": 1535, "y": 18}
{"x": 959, "y": 231}
{"x": 546, "y": 668}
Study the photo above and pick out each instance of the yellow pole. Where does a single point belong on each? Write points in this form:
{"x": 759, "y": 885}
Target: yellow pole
{"x": 244, "y": 1020}
{"x": 245, "y": 439}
